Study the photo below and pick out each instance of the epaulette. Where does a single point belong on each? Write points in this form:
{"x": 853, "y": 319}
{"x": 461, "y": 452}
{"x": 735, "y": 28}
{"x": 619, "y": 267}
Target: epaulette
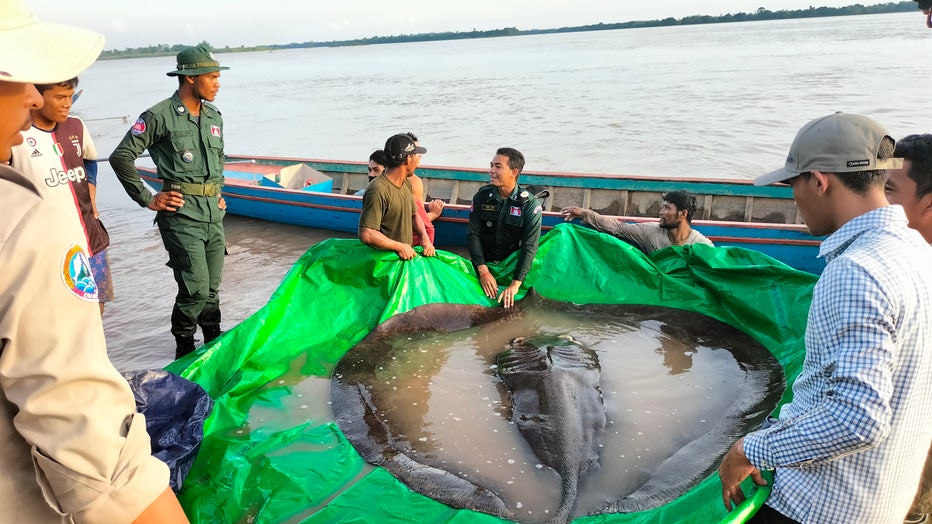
{"x": 522, "y": 197}
{"x": 211, "y": 107}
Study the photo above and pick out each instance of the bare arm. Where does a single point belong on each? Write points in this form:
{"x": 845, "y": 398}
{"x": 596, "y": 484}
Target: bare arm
{"x": 435, "y": 209}
{"x": 421, "y": 230}
{"x": 92, "y": 190}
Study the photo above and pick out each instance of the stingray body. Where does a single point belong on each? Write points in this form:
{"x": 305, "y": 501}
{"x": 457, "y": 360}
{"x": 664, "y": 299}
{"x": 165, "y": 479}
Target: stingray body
{"x": 558, "y": 407}
{"x": 551, "y": 388}
{"x": 356, "y": 407}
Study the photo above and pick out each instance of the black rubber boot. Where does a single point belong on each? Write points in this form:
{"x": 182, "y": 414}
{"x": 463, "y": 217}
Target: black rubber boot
{"x": 183, "y": 346}
{"x": 211, "y": 333}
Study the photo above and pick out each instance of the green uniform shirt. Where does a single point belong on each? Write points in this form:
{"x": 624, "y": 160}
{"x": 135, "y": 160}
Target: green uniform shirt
{"x": 184, "y": 147}
{"x": 499, "y": 227}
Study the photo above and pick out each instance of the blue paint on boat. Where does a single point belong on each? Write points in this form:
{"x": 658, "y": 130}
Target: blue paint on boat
{"x": 302, "y": 192}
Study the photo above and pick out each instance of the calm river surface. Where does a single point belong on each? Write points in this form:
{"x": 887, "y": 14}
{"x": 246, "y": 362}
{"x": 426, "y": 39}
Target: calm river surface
{"x": 716, "y": 100}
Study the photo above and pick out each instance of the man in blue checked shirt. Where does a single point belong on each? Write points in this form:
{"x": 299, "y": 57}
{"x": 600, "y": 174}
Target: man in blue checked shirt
{"x": 851, "y": 445}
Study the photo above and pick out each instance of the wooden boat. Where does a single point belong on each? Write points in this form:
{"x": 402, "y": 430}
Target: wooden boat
{"x": 320, "y": 194}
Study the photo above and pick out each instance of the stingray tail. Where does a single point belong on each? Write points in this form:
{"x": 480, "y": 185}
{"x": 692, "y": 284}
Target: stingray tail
{"x": 570, "y": 491}
{"x": 446, "y": 487}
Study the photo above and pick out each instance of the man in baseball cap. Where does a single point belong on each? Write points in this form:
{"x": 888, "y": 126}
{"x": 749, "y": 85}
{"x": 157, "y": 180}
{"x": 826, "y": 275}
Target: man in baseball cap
{"x": 837, "y": 143}
{"x": 851, "y": 445}
{"x": 78, "y": 451}
{"x": 388, "y": 217}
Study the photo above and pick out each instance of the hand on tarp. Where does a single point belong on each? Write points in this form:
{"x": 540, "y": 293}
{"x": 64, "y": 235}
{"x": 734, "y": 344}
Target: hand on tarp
{"x": 734, "y": 469}
{"x": 175, "y": 409}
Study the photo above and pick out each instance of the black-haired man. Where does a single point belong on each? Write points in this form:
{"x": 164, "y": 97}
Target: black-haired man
{"x": 911, "y": 187}
{"x": 851, "y": 444}
{"x": 504, "y": 218}
{"x": 673, "y": 229}
{"x": 388, "y": 218}
{"x": 184, "y": 135}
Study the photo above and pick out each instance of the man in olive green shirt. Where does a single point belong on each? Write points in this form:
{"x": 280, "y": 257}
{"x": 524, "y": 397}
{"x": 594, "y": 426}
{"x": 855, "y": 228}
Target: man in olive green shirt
{"x": 184, "y": 135}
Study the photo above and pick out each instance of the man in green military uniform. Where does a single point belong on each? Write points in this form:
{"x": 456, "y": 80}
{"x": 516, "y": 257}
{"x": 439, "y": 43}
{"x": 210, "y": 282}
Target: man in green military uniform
{"x": 504, "y": 218}
{"x": 184, "y": 136}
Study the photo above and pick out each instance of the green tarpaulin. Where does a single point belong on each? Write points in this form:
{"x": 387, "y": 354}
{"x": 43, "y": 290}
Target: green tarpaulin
{"x": 272, "y": 452}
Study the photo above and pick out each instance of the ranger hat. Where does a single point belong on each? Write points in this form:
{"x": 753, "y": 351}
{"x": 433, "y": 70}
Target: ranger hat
{"x": 838, "y": 143}
{"x": 400, "y": 146}
{"x": 195, "y": 61}
{"x": 34, "y": 52}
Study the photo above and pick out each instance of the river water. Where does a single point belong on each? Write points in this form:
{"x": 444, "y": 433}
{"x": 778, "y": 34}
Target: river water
{"x": 718, "y": 101}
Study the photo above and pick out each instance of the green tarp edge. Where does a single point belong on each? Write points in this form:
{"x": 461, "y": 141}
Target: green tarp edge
{"x": 271, "y": 451}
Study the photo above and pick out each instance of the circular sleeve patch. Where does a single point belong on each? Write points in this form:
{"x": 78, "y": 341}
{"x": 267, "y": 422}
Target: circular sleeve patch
{"x": 139, "y": 127}
{"x": 77, "y": 276}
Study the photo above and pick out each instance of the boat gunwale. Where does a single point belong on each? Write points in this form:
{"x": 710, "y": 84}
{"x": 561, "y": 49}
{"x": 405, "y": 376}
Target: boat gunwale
{"x": 245, "y": 185}
{"x": 704, "y": 185}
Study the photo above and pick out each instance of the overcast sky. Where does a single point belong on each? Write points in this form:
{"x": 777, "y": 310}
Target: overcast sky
{"x": 134, "y": 23}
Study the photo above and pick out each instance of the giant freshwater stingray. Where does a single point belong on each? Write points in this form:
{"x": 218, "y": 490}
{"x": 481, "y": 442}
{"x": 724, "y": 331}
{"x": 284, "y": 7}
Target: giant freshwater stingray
{"x": 553, "y": 413}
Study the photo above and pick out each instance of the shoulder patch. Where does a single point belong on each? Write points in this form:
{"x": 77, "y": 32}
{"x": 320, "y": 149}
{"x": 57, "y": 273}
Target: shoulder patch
{"x": 536, "y": 210}
{"x": 76, "y": 274}
{"x": 139, "y": 127}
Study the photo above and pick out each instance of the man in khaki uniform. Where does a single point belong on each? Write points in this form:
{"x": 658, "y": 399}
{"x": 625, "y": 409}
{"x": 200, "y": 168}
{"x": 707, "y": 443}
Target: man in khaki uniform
{"x": 184, "y": 135}
{"x": 72, "y": 447}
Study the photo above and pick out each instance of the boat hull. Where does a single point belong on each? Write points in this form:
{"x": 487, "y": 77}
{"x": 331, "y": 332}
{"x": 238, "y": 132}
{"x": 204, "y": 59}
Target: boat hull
{"x": 250, "y": 190}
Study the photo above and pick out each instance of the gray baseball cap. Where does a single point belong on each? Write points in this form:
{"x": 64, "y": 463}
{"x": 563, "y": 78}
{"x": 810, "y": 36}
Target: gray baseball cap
{"x": 837, "y": 143}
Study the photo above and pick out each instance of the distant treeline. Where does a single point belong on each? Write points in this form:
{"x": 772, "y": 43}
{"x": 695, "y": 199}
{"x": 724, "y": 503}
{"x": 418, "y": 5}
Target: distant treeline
{"x": 761, "y": 14}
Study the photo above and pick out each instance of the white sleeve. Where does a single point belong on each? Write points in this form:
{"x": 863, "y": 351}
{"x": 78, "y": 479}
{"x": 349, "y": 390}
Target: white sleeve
{"x": 90, "y": 150}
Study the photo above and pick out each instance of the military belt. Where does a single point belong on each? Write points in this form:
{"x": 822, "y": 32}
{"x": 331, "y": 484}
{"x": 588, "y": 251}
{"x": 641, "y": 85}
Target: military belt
{"x": 185, "y": 188}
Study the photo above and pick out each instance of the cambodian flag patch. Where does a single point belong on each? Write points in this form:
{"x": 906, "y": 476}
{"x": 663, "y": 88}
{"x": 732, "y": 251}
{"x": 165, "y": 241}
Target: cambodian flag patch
{"x": 76, "y": 274}
{"x": 515, "y": 211}
{"x": 139, "y": 127}
{"x": 215, "y": 131}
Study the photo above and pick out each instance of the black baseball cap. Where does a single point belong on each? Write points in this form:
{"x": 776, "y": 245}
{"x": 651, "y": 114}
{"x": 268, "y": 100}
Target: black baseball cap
{"x": 400, "y": 146}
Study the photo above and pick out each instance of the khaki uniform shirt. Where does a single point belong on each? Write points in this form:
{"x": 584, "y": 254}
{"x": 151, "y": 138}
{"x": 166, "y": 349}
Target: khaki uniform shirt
{"x": 72, "y": 447}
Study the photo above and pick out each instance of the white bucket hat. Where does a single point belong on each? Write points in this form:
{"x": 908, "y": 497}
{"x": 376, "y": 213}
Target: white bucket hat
{"x": 38, "y": 52}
